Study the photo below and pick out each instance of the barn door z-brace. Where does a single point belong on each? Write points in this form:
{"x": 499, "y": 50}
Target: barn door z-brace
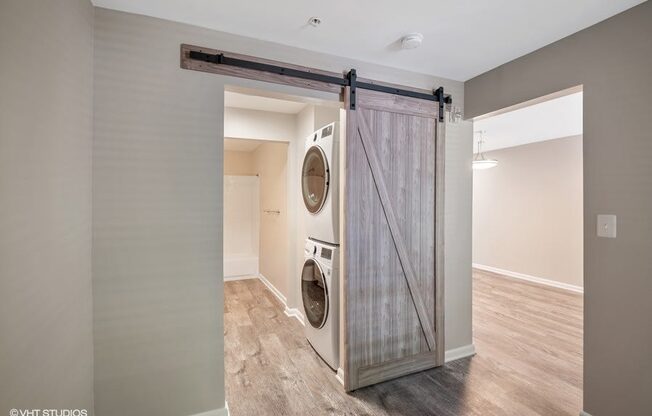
{"x": 350, "y": 80}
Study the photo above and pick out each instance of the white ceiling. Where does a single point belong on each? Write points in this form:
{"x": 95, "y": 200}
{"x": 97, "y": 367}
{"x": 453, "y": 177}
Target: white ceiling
{"x": 553, "y": 119}
{"x": 461, "y": 38}
{"x": 241, "y": 145}
{"x": 256, "y": 102}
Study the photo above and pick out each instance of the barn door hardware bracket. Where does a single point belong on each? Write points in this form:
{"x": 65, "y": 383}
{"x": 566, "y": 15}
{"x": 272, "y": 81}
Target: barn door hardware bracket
{"x": 350, "y": 80}
{"x": 443, "y": 99}
{"x": 353, "y": 83}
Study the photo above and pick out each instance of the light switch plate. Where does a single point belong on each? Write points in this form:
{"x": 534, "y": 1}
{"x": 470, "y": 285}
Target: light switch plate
{"x": 607, "y": 226}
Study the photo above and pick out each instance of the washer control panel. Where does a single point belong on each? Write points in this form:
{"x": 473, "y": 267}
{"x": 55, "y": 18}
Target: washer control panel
{"x": 326, "y": 254}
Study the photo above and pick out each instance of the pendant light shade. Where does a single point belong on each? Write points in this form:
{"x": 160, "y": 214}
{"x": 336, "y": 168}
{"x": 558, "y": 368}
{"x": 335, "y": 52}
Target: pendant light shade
{"x": 480, "y": 162}
{"x": 484, "y": 164}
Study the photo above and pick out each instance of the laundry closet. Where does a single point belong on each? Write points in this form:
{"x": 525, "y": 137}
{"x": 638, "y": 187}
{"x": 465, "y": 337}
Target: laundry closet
{"x": 265, "y": 225}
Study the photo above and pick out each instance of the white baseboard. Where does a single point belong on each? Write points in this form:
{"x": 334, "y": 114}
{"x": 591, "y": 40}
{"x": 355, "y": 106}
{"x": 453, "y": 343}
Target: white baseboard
{"x": 274, "y": 290}
{"x": 243, "y": 277}
{"x": 295, "y": 313}
{"x": 291, "y": 312}
{"x": 216, "y": 412}
{"x": 459, "y": 353}
{"x": 340, "y": 375}
{"x": 583, "y": 413}
{"x": 529, "y": 278}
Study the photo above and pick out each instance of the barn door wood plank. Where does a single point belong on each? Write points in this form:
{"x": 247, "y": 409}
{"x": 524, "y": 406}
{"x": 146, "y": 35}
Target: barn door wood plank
{"x": 423, "y": 314}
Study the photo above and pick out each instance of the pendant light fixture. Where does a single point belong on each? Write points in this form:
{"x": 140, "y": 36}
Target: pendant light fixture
{"x": 480, "y": 162}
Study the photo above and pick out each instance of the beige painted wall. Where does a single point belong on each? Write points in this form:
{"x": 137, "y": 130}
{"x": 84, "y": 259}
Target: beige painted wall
{"x": 46, "y": 118}
{"x": 527, "y": 212}
{"x": 239, "y": 163}
{"x": 270, "y": 160}
{"x": 243, "y": 123}
{"x": 615, "y": 57}
{"x": 157, "y": 203}
{"x": 323, "y": 116}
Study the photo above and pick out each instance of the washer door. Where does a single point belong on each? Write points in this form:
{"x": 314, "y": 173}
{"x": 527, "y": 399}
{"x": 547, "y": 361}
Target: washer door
{"x": 314, "y": 179}
{"x": 314, "y": 293}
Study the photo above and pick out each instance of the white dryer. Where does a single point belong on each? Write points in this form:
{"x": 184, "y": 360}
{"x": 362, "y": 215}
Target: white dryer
{"x": 320, "y": 294}
{"x": 320, "y": 184}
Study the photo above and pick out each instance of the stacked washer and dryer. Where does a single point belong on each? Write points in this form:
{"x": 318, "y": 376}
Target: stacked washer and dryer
{"x": 320, "y": 274}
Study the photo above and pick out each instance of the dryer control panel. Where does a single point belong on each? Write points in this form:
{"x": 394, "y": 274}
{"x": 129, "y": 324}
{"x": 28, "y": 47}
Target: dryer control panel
{"x": 326, "y": 254}
{"x": 329, "y": 132}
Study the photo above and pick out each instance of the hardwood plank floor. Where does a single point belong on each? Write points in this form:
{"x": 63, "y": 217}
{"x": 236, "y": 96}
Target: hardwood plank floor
{"x": 529, "y": 360}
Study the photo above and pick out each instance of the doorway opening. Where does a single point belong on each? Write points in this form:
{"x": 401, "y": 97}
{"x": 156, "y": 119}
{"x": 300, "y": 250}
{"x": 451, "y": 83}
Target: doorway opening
{"x": 528, "y": 227}
{"x": 398, "y": 138}
{"x": 265, "y": 320}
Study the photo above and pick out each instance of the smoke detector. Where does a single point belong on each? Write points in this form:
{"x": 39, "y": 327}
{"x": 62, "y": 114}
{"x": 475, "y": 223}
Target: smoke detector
{"x": 314, "y": 21}
{"x": 411, "y": 41}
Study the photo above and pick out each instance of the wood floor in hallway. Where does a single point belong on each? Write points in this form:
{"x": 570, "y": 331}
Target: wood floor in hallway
{"x": 528, "y": 340}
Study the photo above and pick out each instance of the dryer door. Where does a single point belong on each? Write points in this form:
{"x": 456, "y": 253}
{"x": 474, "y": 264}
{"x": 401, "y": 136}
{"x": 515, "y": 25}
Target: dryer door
{"x": 314, "y": 179}
{"x": 314, "y": 293}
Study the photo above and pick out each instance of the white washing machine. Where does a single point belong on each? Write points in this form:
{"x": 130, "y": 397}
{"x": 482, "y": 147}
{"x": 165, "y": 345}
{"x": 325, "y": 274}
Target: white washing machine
{"x": 320, "y": 184}
{"x": 320, "y": 294}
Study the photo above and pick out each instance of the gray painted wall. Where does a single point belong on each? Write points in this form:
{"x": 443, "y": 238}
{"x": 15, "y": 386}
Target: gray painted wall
{"x": 157, "y": 198}
{"x": 157, "y": 201}
{"x": 46, "y": 103}
{"x": 613, "y": 60}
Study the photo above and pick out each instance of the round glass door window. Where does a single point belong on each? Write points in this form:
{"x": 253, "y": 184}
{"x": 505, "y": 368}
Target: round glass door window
{"x": 314, "y": 293}
{"x": 314, "y": 179}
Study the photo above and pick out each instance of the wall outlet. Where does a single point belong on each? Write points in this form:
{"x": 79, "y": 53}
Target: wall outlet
{"x": 607, "y": 226}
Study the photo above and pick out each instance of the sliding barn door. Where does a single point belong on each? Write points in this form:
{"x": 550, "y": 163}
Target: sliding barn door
{"x": 393, "y": 263}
